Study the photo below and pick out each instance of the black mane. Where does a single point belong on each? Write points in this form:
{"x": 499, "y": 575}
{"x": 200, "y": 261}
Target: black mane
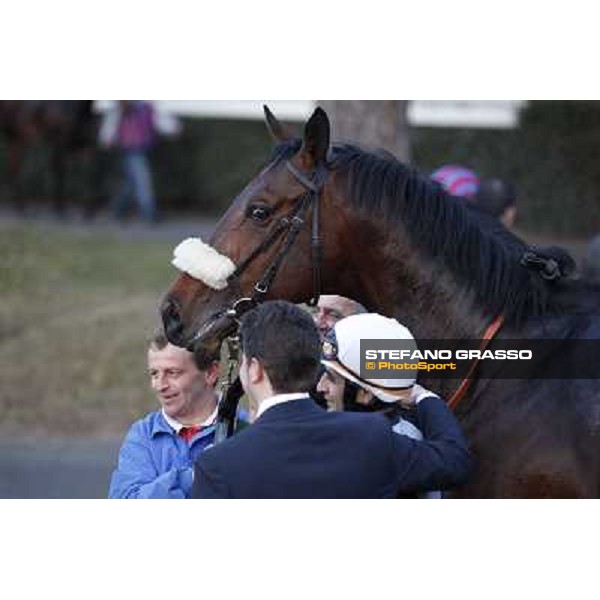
{"x": 480, "y": 253}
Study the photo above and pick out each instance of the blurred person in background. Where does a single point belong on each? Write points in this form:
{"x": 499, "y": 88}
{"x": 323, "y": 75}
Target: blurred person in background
{"x": 493, "y": 196}
{"x": 156, "y": 458}
{"x": 131, "y": 127}
{"x": 499, "y": 199}
{"x": 457, "y": 180}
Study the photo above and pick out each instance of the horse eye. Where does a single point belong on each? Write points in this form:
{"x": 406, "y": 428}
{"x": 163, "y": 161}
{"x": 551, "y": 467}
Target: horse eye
{"x": 259, "y": 213}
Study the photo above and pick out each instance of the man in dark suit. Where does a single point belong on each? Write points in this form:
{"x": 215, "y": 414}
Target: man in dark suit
{"x": 294, "y": 449}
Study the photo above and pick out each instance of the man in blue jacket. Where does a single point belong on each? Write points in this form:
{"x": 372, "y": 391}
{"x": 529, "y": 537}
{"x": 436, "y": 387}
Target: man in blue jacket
{"x": 296, "y": 450}
{"x": 156, "y": 458}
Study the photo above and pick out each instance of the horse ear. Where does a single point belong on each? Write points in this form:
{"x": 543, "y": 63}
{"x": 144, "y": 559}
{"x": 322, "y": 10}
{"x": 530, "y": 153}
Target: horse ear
{"x": 316, "y": 137}
{"x": 280, "y": 132}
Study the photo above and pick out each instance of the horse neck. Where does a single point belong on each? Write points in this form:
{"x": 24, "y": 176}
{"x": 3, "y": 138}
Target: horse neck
{"x": 397, "y": 280}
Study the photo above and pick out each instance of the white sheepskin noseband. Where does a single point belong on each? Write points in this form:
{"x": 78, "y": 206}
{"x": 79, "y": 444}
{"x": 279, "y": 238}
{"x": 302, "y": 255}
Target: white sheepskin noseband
{"x": 203, "y": 262}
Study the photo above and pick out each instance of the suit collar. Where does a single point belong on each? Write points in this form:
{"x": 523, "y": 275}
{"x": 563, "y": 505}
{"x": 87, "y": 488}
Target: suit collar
{"x": 278, "y": 399}
{"x": 285, "y": 410}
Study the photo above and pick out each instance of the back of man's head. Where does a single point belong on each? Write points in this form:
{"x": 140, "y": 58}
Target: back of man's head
{"x": 494, "y": 196}
{"x": 284, "y": 339}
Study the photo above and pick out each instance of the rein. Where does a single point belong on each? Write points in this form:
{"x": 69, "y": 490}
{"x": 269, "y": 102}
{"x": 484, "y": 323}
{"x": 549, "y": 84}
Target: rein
{"x": 231, "y": 391}
{"x": 465, "y": 384}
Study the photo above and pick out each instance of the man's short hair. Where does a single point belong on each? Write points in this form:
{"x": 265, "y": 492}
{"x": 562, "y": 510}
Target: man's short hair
{"x": 159, "y": 341}
{"x": 284, "y": 339}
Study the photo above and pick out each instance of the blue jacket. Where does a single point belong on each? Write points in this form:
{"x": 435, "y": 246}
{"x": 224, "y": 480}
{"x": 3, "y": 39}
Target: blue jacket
{"x": 154, "y": 462}
{"x": 297, "y": 450}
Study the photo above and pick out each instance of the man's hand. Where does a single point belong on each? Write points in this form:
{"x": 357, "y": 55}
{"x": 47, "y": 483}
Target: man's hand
{"x": 418, "y": 392}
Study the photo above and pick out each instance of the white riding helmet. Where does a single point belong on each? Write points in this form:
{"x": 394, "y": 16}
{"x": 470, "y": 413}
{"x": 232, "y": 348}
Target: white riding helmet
{"x": 345, "y": 357}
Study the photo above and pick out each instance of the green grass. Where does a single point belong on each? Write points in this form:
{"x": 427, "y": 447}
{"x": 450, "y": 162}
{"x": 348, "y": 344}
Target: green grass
{"x": 76, "y": 311}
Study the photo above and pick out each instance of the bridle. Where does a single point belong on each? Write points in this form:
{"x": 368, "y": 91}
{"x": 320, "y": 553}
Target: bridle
{"x": 288, "y": 227}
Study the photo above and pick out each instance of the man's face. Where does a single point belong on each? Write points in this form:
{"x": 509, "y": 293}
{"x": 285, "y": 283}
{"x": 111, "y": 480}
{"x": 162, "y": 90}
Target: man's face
{"x": 330, "y": 310}
{"x": 331, "y": 385}
{"x": 182, "y": 390}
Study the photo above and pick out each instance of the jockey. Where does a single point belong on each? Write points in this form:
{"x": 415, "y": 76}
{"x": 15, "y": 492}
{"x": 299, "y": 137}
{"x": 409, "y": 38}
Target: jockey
{"x": 346, "y": 390}
{"x": 457, "y": 180}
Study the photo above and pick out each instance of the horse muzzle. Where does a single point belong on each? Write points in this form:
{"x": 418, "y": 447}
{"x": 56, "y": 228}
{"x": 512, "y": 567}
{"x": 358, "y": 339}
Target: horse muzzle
{"x": 173, "y": 323}
{"x": 206, "y": 341}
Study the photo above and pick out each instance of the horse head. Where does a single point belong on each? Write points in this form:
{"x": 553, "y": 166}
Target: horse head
{"x": 261, "y": 246}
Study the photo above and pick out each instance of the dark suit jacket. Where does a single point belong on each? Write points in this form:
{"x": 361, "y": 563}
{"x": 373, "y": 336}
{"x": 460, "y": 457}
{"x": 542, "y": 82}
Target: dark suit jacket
{"x": 297, "y": 450}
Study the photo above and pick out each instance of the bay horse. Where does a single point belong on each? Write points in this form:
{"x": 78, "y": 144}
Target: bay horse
{"x": 65, "y": 127}
{"x": 335, "y": 219}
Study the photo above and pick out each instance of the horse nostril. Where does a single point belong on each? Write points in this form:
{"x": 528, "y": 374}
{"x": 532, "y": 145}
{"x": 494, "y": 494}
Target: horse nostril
{"x": 170, "y": 309}
{"x": 171, "y": 317}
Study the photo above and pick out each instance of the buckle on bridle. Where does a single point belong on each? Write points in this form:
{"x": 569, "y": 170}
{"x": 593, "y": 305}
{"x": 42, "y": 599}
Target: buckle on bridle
{"x": 261, "y": 287}
{"x": 238, "y": 308}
